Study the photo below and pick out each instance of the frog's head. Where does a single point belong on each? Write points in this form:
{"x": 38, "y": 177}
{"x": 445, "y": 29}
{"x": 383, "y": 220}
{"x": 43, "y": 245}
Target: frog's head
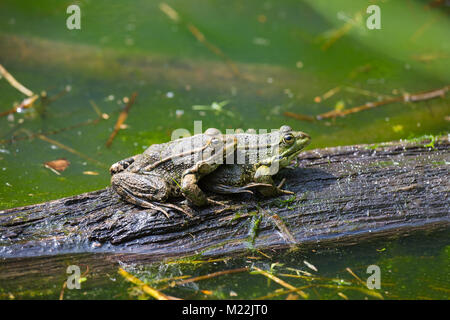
{"x": 290, "y": 144}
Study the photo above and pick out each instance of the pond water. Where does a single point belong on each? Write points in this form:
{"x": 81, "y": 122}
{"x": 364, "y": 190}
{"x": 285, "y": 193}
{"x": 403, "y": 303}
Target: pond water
{"x": 265, "y": 58}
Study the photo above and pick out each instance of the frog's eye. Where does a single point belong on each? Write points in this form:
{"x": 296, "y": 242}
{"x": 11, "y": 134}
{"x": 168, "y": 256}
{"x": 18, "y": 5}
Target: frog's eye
{"x": 214, "y": 141}
{"x": 288, "y": 138}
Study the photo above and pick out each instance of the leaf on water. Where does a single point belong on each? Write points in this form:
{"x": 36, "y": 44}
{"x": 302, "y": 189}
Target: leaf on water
{"x": 58, "y": 165}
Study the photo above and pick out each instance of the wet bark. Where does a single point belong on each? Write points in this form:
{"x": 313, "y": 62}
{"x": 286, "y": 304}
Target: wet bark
{"x": 343, "y": 196}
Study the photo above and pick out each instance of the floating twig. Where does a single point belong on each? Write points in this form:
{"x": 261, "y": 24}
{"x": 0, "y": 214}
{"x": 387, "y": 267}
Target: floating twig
{"x": 52, "y": 132}
{"x": 298, "y": 116}
{"x": 355, "y": 276}
{"x": 175, "y": 17}
{"x": 415, "y": 97}
{"x": 335, "y": 34}
{"x": 406, "y": 97}
{"x": 69, "y": 149}
{"x": 281, "y": 282}
{"x": 121, "y": 119}
{"x": 16, "y": 84}
{"x": 422, "y": 29}
{"x": 327, "y": 94}
{"x": 25, "y": 104}
{"x": 209, "y": 276}
{"x": 366, "y": 92}
{"x": 146, "y": 288}
{"x": 279, "y": 292}
{"x": 97, "y": 110}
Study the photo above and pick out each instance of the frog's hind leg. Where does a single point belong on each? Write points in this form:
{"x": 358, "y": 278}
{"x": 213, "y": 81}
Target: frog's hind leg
{"x": 147, "y": 191}
{"x": 140, "y": 189}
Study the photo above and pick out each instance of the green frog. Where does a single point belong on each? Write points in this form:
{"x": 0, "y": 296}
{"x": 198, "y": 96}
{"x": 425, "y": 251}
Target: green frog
{"x": 230, "y": 163}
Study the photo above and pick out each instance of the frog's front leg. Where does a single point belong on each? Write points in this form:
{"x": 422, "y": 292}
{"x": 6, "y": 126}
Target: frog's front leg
{"x": 190, "y": 178}
{"x": 121, "y": 165}
{"x": 192, "y": 192}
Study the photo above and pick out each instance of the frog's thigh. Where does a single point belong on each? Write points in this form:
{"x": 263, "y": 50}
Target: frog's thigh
{"x": 143, "y": 187}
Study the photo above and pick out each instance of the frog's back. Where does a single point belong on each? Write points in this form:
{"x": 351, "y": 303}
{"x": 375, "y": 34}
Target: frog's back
{"x": 173, "y": 157}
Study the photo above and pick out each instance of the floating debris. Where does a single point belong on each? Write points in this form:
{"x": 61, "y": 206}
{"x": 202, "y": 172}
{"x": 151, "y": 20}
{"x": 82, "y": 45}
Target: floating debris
{"x": 173, "y": 15}
{"x": 327, "y": 94}
{"x": 343, "y": 296}
{"x": 261, "y": 41}
{"x": 16, "y": 84}
{"x": 91, "y": 173}
{"x": 406, "y": 97}
{"x": 179, "y": 113}
{"x": 146, "y": 288}
{"x": 121, "y": 119}
{"x": 58, "y": 165}
{"x": 69, "y": 149}
{"x": 281, "y": 282}
{"x": 309, "y": 265}
{"x": 299, "y": 116}
{"x": 216, "y": 107}
{"x": 211, "y": 275}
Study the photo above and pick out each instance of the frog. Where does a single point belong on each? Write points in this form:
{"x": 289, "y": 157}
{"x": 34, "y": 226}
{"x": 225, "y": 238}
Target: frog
{"x": 228, "y": 163}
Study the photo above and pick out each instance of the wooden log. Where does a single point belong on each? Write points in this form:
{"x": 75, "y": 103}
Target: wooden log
{"x": 343, "y": 195}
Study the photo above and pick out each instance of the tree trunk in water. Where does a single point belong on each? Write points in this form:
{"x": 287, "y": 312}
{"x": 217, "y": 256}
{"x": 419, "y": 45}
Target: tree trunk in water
{"x": 343, "y": 195}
